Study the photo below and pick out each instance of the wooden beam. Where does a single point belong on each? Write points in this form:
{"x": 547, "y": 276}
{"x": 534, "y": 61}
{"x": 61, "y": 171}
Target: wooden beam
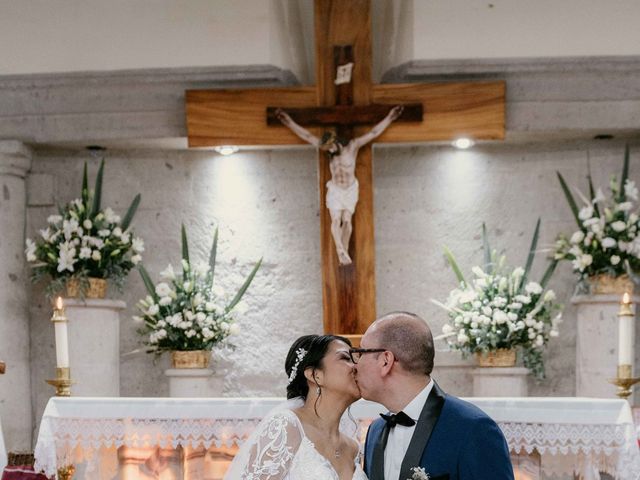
{"x": 349, "y": 293}
{"x": 451, "y": 110}
{"x": 345, "y": 115}
{"x": 340, "y": 22}
{"x": 236, "y": 117}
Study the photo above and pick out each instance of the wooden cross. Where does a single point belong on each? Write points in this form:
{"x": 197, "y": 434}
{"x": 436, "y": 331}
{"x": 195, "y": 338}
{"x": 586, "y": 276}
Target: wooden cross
{"x": 343, "y": 35}
{"x": 3, "y": 366}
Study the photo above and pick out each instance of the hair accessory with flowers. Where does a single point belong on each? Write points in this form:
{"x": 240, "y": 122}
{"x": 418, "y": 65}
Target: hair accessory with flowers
{"x": 300, "y": 353}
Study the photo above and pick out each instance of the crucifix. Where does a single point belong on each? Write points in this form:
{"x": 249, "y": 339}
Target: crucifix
{"x": 345, "y": 99}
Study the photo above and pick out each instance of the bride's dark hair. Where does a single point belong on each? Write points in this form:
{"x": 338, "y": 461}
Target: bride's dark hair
{"x": 316, "y": 347}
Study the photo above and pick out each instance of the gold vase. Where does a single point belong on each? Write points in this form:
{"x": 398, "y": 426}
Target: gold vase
{"x": 503, "y": 357}
{"x": 608, "y": 285}
{"x": 97, "y": 288}
{"x": 190, "y": 359}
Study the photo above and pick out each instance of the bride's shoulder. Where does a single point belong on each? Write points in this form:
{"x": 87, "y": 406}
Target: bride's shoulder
{"x": 284, "y": 419}
{"x": 283, "y": 414}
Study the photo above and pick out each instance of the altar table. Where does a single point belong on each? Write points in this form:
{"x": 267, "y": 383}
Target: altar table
{"x": 167, "y": 438}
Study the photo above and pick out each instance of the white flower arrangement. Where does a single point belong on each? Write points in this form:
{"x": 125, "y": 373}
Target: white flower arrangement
{"x": 608, "y": 237}
{"x": 500, "y": 308}
{"x": 419, "y": 473}
{"x": 83, "y": 240}
{"x": 187, "y": 311}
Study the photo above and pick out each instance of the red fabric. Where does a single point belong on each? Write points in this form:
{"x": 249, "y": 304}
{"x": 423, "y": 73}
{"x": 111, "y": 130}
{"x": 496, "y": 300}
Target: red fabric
{"x": 21, "y": 473}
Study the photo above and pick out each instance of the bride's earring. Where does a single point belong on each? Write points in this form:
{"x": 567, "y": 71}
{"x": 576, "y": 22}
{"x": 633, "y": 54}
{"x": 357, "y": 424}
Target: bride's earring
{"x": 318, "y": 390}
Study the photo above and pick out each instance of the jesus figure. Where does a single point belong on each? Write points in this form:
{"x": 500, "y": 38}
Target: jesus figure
{"x": 342, "y": 189}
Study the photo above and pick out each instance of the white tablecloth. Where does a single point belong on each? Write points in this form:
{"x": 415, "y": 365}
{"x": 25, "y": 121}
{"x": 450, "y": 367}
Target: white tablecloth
{"x": 3, "y": 451}
{"x": 571, "y": 434}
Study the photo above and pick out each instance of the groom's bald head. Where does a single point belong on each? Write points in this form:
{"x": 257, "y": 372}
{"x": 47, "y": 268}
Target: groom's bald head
{"x": 409, "y": 338}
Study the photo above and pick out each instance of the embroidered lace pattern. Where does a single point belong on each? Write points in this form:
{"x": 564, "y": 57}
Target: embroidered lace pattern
{"x": 564, "y": 448}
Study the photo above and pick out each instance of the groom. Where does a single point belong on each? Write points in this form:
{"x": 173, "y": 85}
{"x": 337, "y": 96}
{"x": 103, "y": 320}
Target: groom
{"x": 448, "y": 437}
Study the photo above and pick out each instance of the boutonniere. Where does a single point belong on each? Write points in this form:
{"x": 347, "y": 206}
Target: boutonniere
{"x": 419, "y": 474}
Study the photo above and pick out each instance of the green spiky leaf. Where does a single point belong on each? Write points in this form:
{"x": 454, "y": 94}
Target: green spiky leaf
{"x": 130, "y": 212}
{"x": 185, "y": 245}
{"x": 454, "y": 265}
{"x": 548, "y": 273}
{"x": 212, "y": 255}
{"x": 488, "y": 263}
{"x": 85, "y": 187}
{"x": 97, "y": 194}
{"x": 592, "y": 195}
{"x": 532, "y": 253}
{"x": 148, "y": 283}
{"x": 625, "y": 173}
{"x": 244, "y": 286}
{"x": 570, "y": 200}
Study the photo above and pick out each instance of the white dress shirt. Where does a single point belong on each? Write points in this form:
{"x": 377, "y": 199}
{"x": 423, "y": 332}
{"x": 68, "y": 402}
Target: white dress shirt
{"x": 400, "y": 436}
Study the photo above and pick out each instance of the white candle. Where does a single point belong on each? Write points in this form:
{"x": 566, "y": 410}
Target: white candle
{"x": 625, "y": 332}
{"x": 62, "y": 339}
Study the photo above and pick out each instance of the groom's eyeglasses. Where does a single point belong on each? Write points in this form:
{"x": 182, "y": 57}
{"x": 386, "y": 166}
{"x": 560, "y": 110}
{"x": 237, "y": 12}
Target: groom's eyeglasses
{"x": 356, "y": 353}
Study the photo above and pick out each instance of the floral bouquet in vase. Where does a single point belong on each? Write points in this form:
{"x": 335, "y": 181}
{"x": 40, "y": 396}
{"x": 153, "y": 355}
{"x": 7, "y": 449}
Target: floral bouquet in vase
{"x": 84, "y": 245}
{"x": 606, "y": 245}
{"x": 187, "y": 311}
{"x": 501, "y": 310}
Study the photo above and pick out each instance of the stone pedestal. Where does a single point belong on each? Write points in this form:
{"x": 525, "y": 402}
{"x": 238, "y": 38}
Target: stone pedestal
{"x": 15, "y": 384}
{"x": 597, "y": 344}
{"x": 500, "y": 382}
{"x": 94, "y": 346}
{"x": 193, "y": 383}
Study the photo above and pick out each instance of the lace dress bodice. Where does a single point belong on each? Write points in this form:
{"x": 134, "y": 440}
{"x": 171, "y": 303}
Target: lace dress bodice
{"x": 279, "y": 450}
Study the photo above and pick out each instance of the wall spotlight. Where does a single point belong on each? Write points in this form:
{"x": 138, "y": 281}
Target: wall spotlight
{"x": 463, "y": 143}
{"x": 226, "y": 149}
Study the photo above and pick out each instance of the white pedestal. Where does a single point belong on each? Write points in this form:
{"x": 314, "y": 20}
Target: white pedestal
{"x": 193, "y": 383}
{"x": 597, "y": 344}
{"x": 94, "y": 346}
{"x": 500, "y": 382}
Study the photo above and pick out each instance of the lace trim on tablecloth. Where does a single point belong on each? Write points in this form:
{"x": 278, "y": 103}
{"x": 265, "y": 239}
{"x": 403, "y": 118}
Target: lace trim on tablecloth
{"x": 564, "y": 448}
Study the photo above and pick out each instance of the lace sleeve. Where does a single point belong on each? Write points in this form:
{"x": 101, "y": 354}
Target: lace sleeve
{"x": 269, "y": 451}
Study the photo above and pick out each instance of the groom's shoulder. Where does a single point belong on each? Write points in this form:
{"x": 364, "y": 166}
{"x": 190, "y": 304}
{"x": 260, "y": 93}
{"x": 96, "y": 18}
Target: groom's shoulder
{"x": 377, "y": 424}
{"x": 464, "y": 411}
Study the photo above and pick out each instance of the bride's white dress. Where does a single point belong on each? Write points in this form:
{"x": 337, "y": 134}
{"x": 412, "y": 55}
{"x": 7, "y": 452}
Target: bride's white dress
{"x": 280, "y": 450}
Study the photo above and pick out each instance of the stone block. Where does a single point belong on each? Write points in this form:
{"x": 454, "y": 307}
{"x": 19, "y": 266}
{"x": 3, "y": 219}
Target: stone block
{"x": 40, "y": 190}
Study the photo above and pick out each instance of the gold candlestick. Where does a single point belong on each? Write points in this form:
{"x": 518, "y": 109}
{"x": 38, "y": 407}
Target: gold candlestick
{"x": 62, "y": 382}
{"x": 625, "y": 379}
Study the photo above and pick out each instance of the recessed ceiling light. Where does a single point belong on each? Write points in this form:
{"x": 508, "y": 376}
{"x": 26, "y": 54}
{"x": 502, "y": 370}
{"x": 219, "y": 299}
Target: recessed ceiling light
{"x": 226, "y": 149}
{"x": 463, "y": 143}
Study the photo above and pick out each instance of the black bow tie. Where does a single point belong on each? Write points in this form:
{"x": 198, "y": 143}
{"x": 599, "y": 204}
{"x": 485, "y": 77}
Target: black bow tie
{"x": 399, "y": 418}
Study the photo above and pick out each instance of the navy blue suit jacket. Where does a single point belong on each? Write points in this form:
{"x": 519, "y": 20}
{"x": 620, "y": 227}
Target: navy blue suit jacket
{"x": 463, "y": 443}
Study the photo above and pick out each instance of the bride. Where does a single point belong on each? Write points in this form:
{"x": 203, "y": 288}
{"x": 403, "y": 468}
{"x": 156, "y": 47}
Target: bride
{"x": 303, "y": 439}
